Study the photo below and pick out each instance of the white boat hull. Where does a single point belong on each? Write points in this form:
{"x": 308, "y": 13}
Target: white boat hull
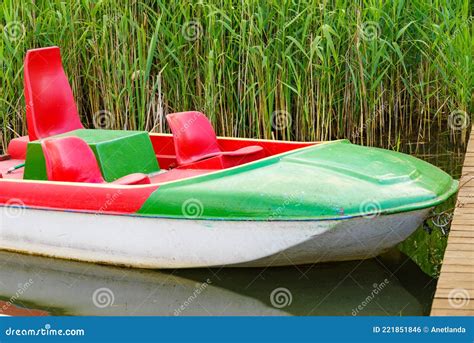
{"x": 173, "y": 243}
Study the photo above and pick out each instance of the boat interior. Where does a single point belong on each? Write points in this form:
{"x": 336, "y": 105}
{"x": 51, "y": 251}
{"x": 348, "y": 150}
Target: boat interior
{"x": 58, "y": 148}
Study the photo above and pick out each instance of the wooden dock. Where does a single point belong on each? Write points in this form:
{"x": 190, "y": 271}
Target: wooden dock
{"x": 455, "y": 290}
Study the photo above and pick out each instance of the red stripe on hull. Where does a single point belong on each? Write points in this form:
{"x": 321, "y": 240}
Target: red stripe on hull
{"x": 127, "y": 199}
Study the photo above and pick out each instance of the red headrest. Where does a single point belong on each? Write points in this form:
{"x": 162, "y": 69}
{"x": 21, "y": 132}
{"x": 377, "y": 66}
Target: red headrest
{"x": 50, "y": 106}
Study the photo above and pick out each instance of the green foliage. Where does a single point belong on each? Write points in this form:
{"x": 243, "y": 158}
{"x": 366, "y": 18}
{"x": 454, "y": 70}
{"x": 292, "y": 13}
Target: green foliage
{"x": 361, "y": 70}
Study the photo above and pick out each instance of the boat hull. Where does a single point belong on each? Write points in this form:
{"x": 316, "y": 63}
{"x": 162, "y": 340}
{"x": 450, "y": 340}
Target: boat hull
{"x": 150, "y": 242}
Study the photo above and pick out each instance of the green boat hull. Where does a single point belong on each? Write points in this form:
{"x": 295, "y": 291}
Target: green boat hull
{"x": 333, "y": 180}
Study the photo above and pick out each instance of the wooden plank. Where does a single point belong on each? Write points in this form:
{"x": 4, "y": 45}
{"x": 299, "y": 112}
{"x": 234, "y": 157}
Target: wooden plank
{"x": 466, "y": 177}
{"x": 456, "y": 261}
{"x": 456, "y": 280}
{"x": 461, "y": 239}
{"x": 461, "y": 222}
{"x": 457, "y": 277}
{"x": 459, "y": 254}
{"x": 465, "y": 193}
{"x": 462, "y": 284}
{"x": 459, "y": 234}
{"x": 463, "y": 201}
{"x": 464, "y": 210}
{"x": 448, "y": 292}
{"x": 460, "y": 247}
{"x": 454, "y": 303}
{"x": 451, "y": 312}
{"x": 461, "y": 218}
{"x": 457, "y": 268}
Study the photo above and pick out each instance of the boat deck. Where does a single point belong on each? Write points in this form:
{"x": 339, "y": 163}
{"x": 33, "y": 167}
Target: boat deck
{"x": 455, "y": 290}
{"x": 164, "y": 150}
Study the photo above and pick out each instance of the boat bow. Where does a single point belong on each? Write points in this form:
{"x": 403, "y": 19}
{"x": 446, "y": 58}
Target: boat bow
{"x": 334, "y": 180}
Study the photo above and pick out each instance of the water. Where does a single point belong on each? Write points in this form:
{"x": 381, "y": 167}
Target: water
{"x": 60, "y": 287}
{"x": 397, "y": 283}
{"x": 427, "y": 250}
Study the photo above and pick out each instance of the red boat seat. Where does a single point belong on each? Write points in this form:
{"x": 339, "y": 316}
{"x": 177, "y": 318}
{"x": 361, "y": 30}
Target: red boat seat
{"x": 70, "y": 159}
{"x": 195, "y": 139}
{"x": 50, "y": 106}
{"x": 17, "y": 147}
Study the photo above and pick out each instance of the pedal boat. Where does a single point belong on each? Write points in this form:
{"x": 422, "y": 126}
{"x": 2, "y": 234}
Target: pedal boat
{"x": 191, "y": 199}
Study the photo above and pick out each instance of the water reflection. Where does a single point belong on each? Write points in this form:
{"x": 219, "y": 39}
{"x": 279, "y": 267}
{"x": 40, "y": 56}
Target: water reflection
{"x": 390, "y": 285}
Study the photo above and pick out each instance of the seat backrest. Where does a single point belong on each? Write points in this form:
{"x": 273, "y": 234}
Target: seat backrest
{"x": 193, "y": 136}
{"x": 50, "y": 106}
{"x": 70, "y": 159}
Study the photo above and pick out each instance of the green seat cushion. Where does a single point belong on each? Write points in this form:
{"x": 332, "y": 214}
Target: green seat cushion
{"x": 118, "y": 153}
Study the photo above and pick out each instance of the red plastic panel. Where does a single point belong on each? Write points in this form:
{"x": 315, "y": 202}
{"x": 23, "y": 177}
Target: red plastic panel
{"x": 271, "y": 147}
{"x": 17, "y": 147}
{"x": 70, "y": 159}
{"x": 194, "y": 137}
{"x": 178, "y": 174}
{"x": 195, "y": 140}
{"x": 50, "y": 106}
{"x": 225, "y": 160}
{"x": 133, "y": 179}
{"x": 75, "y": 196}
{"x": 165, "y": 152}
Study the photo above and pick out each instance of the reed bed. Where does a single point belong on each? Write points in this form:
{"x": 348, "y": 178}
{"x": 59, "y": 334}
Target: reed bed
{"x": 372, "y": 71}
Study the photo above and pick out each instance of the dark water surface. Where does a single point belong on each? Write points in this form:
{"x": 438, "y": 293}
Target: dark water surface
{"x": 389, "y": 285}
{"x": 401, "y": 282}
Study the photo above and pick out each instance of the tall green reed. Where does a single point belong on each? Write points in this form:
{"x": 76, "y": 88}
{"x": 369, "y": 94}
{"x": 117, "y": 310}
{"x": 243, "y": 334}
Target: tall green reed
{"x": 372, "y": 71}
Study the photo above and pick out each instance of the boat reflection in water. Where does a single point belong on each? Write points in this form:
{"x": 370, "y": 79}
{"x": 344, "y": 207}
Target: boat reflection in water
{"x": 382, "y": 286}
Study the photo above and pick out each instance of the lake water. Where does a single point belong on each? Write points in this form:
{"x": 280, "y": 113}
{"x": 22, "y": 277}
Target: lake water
{"x": 397, "y": 283}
